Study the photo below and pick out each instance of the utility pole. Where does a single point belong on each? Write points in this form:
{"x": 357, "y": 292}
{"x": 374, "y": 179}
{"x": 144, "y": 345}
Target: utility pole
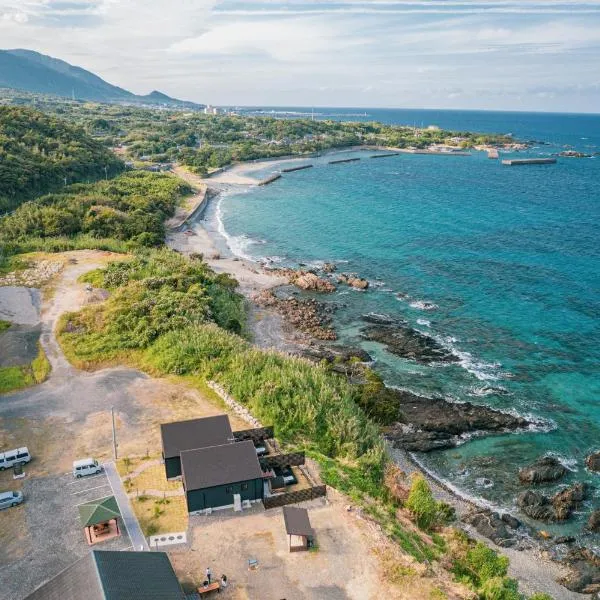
{"x": 114, "y": 432}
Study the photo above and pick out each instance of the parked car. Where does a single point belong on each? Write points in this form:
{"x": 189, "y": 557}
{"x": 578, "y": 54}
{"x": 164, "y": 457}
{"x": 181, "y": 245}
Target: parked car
{"x": 261, "y": 450}
{"x": 19, "y": 456}
{"x": 86, "y": 466}
{"x": 8, "y": 499}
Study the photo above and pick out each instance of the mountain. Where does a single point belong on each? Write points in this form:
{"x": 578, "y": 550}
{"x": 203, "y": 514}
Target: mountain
{"x": 38, "y": 73}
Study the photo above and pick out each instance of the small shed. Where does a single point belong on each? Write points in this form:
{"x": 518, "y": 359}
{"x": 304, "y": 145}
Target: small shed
{"x": 100, "y": 519}
{"x": 180, "y": 436}
{"x": 297, "y": 526}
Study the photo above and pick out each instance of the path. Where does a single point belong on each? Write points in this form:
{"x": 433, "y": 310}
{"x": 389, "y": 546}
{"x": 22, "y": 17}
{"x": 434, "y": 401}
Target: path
{"x": 138, "y": 540}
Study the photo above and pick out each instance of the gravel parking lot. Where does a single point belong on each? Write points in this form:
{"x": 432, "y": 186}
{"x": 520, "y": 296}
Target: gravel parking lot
{"x": 54, "y": 536}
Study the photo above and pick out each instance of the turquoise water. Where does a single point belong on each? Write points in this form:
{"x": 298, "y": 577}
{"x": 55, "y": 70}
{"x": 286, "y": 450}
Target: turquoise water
{"x": 510, "y": 257}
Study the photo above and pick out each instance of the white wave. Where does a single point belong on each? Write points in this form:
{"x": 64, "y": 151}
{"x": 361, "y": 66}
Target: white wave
{"x": 476, "y": 500}
{"x": 424, "y": 322}
{"x": 386, "y": 290}
{"x": 482, "y": 391}
{"x": 484, "y": 482}
{"x": 567, "y": 463}
{"x": 238, "y": 244}
{"x": 423, "y": 305}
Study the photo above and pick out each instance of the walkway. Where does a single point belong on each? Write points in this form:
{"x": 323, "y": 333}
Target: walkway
{"x": 138, "y": 540}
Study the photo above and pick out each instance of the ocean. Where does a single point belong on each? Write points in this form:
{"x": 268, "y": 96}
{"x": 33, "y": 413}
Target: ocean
{"x": 500, "y": 264}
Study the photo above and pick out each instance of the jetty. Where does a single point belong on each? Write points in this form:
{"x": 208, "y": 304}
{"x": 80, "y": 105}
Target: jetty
{"x": 299, "y": 168}
{"x": 270, "y": 179}
{"x": 343, "y": 160}
{"x": 513, "y": 162}
{"x": 384, "y": 155}
{"x": 493, "y": 153}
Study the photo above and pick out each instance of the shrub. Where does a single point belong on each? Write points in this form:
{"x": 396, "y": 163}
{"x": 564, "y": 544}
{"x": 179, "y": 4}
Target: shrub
{"x": 500, "y": 588}
{"x": 428, "y": 512}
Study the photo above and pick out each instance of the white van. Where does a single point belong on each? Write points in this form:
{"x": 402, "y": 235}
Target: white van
{"x": 86, "y": 466}
{"x": 8, "y": 499}
{"x": 8, "y": 459}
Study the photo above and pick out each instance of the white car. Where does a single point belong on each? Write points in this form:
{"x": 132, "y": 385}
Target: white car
{"x": 8, "y": 499}
{"x": 86, "y": 466}
{"x": 10, "y": 458}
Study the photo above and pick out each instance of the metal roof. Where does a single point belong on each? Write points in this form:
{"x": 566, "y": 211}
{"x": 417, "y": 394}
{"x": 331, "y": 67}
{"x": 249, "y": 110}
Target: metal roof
{"x": 220, "y": 465}
{"x": 114, "y": 575}
{"x": 296, "y": 521}
{"x": 98, "y": 511}
{"x": 195, "y": 433}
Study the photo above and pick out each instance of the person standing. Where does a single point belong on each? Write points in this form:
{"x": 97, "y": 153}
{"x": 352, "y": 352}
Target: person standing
{"x": 208, "y": 574}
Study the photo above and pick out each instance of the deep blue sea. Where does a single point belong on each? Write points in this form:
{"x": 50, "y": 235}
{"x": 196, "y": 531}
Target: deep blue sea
{"x": 509, "y": 256}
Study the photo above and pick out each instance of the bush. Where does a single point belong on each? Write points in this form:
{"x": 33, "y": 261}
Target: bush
{"x": 428, "y": 512}
{"x": 500, "y": 588}
{"x": 477, "y": 564}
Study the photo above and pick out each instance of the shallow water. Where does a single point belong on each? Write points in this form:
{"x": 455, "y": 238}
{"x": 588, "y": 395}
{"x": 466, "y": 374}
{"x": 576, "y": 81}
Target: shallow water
{"x": 500, "y": 264}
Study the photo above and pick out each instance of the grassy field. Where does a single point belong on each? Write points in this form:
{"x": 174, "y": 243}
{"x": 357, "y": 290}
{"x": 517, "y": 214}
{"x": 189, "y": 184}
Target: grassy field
{"x": 16, "y": 378}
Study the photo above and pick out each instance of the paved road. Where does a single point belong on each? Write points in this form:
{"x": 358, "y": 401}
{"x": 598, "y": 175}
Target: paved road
{"x": 136, "y": 536}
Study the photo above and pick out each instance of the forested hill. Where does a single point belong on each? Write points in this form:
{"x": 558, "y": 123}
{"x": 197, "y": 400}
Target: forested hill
{"x": 34, "y": 72}
{"x": 38, "y": 152}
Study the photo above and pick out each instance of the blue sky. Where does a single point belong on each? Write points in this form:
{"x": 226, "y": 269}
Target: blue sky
{"x": 496, "y": 54}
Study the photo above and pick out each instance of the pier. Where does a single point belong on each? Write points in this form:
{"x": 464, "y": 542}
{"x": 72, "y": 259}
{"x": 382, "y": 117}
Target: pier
{"x": 513, "y": 162}
{"x": 300, "y": 168}
{"x": 384, "y": 155}
{"x": 343, "y": 160}
{"x": 270, "y": 179}
{"x": 493, "y": 153}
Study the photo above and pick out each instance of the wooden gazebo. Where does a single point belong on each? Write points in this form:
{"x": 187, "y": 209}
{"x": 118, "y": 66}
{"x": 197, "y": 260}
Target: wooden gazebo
{"x": 297, "y": 526}
{"x": 100, "y": 519}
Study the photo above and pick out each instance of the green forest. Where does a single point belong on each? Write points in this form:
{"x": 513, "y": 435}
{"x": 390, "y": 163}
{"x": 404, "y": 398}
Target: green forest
{"x": 40, "y": 153}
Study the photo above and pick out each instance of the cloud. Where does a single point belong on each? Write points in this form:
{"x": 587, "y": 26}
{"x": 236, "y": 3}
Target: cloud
{"x": 458, "y": 53}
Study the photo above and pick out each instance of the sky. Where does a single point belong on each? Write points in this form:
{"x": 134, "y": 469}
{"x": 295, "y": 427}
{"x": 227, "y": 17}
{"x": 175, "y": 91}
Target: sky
{"x": 467, "y": 54}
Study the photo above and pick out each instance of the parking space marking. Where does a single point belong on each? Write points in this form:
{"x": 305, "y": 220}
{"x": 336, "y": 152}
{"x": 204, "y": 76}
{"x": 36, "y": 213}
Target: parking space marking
{"x": 87, "y": 501}
{"x": 88, "y": 478}
{"x": 89, "y": 489}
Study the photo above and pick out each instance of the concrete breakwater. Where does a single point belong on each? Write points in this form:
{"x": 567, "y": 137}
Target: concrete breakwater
{"x": 344, "y": 160}
{"x": 270, "y": 179}
{"x": 300, "y": 168}
{"x": 385, "y": 155}
{"x": 513, "y": 162}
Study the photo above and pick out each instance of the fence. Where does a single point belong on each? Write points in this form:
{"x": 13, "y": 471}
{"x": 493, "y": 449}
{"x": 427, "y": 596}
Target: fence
{"x": 256, "y": 435}
{"x": 311, "y": 493}
{"x": 281, "y": 461}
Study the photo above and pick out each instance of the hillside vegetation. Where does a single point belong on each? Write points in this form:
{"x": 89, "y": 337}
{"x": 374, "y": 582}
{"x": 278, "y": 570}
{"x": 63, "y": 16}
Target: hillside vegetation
{"x": 39, "y": 152}
{"x": 123, "y": 213}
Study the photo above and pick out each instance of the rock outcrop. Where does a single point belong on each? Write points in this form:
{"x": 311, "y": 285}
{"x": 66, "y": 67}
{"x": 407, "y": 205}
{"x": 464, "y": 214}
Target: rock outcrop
{"x": 543, "y": 470}
{"x": 592, "y": 462}
{"x": 433, "y": 423}
{"x": 353, "y": 281}
{"x": 311, "y": 282}
{"x": 536, "y": 505}
{"x": 492, "y": 526}
{"x": 584, "y": 577}
{"x": 593, "y": 523}
{"x": 567, "y": 500}
{"x": 558, "y": 508}
{"x": 408, "y": 343}
{"x": 307, "y": 315}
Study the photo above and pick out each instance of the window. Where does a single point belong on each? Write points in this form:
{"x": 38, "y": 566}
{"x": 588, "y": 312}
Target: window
{"x": 228, "y": 490}
{"x": 244, "y": 487}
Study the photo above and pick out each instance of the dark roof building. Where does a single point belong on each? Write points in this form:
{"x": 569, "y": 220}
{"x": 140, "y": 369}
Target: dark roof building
{"x": 213, "y": 476}
{"x": 297, "y": 526}
{"x": 188, "y": 435}
{"x": 113, "y": 575}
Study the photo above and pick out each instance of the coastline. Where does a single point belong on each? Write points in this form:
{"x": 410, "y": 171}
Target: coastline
{"x": 531, "y": 565}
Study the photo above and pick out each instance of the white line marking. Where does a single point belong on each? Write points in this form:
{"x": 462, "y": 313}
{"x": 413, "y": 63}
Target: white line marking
{"x": 88, "y": 501}
{"x": 89, "y": 489}
{"x": 82, "y": 479}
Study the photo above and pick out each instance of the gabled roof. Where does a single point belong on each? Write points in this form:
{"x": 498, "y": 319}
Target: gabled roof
{"x": 113, "y": 575}
{"x": 98, "y": 511}
{"x": 195, "y": 433}
{"x": 219, "y": 465}
{"x": 296, "y": 521}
